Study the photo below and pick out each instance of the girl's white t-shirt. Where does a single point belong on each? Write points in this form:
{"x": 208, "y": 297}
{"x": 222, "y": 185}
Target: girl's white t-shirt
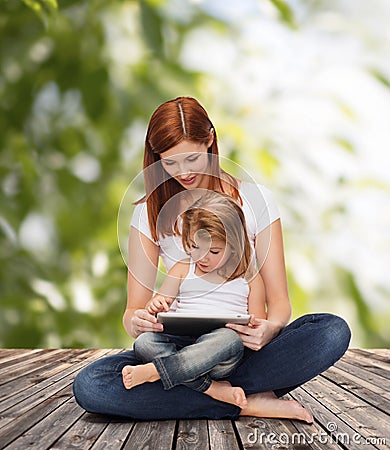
{"x": 259, "y": 208}
{"x": 197, "y": 295}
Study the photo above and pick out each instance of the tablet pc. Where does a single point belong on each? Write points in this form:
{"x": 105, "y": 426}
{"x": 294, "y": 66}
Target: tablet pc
{"x": 197, "y": 324}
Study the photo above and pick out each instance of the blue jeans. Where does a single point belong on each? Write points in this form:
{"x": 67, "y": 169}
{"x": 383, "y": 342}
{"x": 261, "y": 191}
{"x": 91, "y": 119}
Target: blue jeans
{"x": 191, "y": 361}
{"x": 302, "y": 350}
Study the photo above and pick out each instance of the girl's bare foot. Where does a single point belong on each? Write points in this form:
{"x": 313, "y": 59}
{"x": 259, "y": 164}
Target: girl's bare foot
{"x": 266, "y": 404}
{"x": 225, "y": 392}
{"x": 135, "y": 375}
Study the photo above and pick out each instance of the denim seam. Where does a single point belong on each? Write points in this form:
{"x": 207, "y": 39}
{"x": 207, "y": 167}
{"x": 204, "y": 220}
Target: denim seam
{"x": 166, "y": 381}
{"x": 205, "y": 385}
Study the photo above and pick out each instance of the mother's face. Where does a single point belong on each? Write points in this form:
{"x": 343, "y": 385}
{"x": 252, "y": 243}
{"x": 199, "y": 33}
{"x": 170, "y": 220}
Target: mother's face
{"x": 187, "y": 163}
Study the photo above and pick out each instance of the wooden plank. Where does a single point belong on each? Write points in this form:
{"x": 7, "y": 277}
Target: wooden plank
{"x": 373, "y": 358}
{"x": 255, "y": 433}
{"x": 372, "y": 365}
{"x": 21, "y": 384}
{"x": 114, "y": 435}
{"x": 8, "y": 356}
{"x": 19, "y": 425}
{"x": 34, "y": 365}
{"x": 152, "y": 435}
{"x": 259, "y": 433}
{"x": 354, "y": 409}
{"x": 83, "y": 433}
{"x": 313, "y": 435}
{"x": 375, "y": 352}
{"x": 7, "y": 351}
{"x": 51, "y": 427}
{"x": 345, "y": 371}
{"x": 24, "y": 406}
{"x": 329, "y": 422}
{"x": 192, "y": 435}
{"x": 364, "y": 419}
{"x": 366, "y": 375}
{"x": 370, "y": 393}
{"x": 22, "y": 360}
{"x": 222, "y": 435}
{"x": 46, "y": 432}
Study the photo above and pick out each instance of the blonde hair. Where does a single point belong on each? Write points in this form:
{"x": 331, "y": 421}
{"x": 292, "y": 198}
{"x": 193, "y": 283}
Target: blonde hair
{"x": 218, "y": 216}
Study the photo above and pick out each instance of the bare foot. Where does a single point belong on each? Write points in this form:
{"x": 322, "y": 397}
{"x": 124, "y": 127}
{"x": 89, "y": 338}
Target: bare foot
{"x": 135, "y": 375}
{"x": 225, "y": 392}
{"x": 266, "y": 404}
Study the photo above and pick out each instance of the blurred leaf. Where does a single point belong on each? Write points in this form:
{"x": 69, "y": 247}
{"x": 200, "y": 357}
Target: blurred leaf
{"x": 345, "y": 144}
{"x": 45, "y": 9}
{"x": 381, "y": 77}
{"x": 366, "y": 319}
{"x": 285, "y": 12}
{"x": 267, "y": 162}
{"x": 152, "y": 28}
{"x": 41, "y": 5}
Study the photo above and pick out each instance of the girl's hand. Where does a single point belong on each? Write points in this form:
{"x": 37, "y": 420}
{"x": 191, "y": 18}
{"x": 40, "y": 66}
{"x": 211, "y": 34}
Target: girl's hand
{"x": 143, "y": 321}
{"x": 158, "y": 303}
{"x": 257, "y": 334}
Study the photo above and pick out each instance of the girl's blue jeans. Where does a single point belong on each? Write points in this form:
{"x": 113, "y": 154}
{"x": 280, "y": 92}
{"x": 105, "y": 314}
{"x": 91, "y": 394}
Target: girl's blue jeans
{"x": 302, "y": 350}
{"x": 191, "y": 361}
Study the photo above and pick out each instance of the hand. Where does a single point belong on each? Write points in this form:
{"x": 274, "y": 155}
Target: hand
{"x": 257, "y": 334}
{"x": 142, "y": 321}
{"x": 158, "y": 303}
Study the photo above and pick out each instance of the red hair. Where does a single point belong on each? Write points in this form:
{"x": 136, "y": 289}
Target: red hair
{"x": 175, "y": 121}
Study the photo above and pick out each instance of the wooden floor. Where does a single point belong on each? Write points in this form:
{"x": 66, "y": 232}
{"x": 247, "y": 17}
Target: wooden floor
{"x": 350, "y": 402}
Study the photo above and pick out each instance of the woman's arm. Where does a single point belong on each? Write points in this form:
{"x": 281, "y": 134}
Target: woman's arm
{"x": 270, "y": 257}
{"x": 256, "y": 298}
{"x": 143, "y": 264}
{"x": 269, "y": 248}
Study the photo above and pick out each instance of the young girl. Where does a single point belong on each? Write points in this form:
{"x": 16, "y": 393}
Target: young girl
{"x": 217, "y": 278}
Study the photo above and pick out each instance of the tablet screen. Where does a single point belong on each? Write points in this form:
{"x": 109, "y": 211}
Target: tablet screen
{"x": 197, "y": 324}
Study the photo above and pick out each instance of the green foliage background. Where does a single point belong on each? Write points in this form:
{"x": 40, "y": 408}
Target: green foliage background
{"x": 65, "y": 105}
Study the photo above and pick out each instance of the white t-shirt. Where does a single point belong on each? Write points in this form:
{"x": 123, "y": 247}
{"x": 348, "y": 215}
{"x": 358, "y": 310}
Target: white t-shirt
{"x": 197, "y": 295}
{"x": 259, "y": 208}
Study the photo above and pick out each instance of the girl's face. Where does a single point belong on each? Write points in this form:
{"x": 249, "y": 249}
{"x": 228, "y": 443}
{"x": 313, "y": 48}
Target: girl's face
{"x": 188, "y": 163}
{"x": 209, "y": 255}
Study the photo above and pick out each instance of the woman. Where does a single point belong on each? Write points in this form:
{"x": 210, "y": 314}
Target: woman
{"x": 180, "y": 160}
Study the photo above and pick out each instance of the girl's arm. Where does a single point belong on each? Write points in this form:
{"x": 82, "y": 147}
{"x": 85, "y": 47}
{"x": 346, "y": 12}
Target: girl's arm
{"x": 256, "y": 298}
{"x": 169, "y": 288}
